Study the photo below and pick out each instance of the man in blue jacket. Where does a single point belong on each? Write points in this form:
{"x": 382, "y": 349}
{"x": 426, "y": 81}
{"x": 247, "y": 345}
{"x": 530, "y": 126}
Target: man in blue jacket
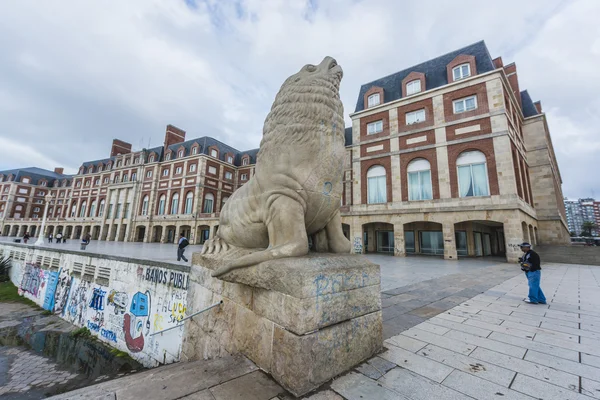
{"x": 532, "y": 266}
{"x": 183, "y": 243}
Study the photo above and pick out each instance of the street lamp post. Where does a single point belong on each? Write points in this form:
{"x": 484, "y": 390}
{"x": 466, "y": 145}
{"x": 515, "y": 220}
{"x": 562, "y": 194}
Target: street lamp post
{"x": 40, "y": 240}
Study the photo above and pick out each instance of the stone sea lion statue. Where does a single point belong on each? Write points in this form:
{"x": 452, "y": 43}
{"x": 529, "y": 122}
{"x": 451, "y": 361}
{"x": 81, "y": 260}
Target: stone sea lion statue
{"x": 296, "y": 190}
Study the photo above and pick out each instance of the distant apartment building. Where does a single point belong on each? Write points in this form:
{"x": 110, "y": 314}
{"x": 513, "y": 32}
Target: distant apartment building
{"x": 448, "y": 157}
{"x": 580, "y": 211}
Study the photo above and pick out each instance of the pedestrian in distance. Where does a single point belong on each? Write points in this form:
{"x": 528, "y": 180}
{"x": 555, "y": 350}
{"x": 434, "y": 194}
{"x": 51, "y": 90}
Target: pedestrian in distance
{"x": 50, "y": 238}
{"x": 58, "y": 237}
{"x": 183, "y": 243}
{"x": 532, "y": 266}
{"x": 25, "y": 237}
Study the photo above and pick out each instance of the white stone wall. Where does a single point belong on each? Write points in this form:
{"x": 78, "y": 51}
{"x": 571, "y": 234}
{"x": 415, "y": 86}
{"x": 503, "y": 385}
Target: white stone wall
{"x": 122, "y": 302}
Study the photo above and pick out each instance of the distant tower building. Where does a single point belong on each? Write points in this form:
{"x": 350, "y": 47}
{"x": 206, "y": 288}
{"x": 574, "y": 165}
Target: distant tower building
{"x": 579, "y": 211}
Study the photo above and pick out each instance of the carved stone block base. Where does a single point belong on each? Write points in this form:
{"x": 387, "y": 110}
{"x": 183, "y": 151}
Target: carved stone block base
{"x": 303, "y": 333}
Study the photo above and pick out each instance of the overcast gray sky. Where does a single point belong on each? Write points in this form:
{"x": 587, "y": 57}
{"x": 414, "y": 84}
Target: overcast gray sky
{"x": 76, "y": 74}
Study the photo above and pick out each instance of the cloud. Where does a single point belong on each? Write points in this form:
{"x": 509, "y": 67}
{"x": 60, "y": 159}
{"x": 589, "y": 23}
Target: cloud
{"x": 74, "y": 77}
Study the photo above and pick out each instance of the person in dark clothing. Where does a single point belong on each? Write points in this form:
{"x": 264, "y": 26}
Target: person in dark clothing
{"x": 532, "y": 266}
{"x": 183, "y": 243}
{"x": 25, "y": 237}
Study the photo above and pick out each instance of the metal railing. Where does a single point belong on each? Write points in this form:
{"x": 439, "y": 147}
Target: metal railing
{"x": 182, "y": 322}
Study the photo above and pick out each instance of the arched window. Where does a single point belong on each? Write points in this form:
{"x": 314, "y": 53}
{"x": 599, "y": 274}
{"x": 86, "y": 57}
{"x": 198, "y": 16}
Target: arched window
{"x": 195, "y": 150}
{"x": 82, "y": 209}
{"x": 74, "y": 209}
{"x": 151, "y": 158}
{"x": 419, "y": 180}
{"x": 101, "y": 208}
{"x": 93, "y": 208}
{"x": 145, "y": 205}
{"x": 472, "y": 174}
{"x": 118, "y": 163}
{"x": 180, "y": 154}
{"x": 133, "y": 176}
{"x": 161, "y": 205}
{"x": 168, "y": 156}
{"x": 90, "y": 170}
{"x": 376, "y": 185}
{"x": 125, "y": 178}
{"x": 189, "y": 202}
{"x": 209, "y": 199}
{"x": 175, "y": 203}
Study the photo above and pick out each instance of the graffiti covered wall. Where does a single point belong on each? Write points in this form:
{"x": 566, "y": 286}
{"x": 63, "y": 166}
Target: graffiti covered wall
{"x": 124, "y": 309}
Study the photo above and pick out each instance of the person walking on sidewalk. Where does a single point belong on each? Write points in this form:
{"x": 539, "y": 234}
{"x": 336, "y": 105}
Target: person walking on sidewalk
{"x": 50, "y": 238}
{"x": 58, "y": 237}
{"x": 532, "y": 266}
{"x": 183, "y": 243}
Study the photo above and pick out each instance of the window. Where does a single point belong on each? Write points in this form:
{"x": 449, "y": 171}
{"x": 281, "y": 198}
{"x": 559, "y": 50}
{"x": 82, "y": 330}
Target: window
{"x": 118, "y": 211}
{"x": 100, "y": 168}
{"x": 245, "y": 161}
{"x": 195, "y": 150}
{"x": 21, "y": 199}
{"x": 119, "y": 163}
{"x": 101, "y": 208}
{"x": 168, "y": 156}
{"x": 109, "y": 211}
{"x": 41, "y": 193}
{"x": 375, "y": 127}
{"x": 189, "y": 201}
{"x": 228, "y": 175}
{"x": 44, "y": 183}
{"x": 419, "y": 180}
{"x": 148, "y": 174}
{"x": 214, "y": 153}
{"x": 230, "y": 159}
{"x": 106, "y": 180}
{"x": 212, "y": 170}
{"x": 161, "y": 205}
{"x": 25, "y": 180}
{"x": 87, "y": 183}
{"x": 116, "y": 179}
{"x": 178, "y": 171}
{"x": 465, "y": 104}
{"x": 78, "y": 184}
{"x": 126, "y": 211}
{"x": 413, "y": 87}
{"x": 244, "y": 177}
{"x": 37, "y": 209}
{"x": 462, "y": 71}
{"x": 23, "y": 191}
{"x": 192, "y": 167}
{"x": 472, "y": 174}
{"x": 97, "y": 182}
{"x": 90, "y": 170}
{"x": 93, "y": 208}
{"x": 224, "y": 201}
{"x": 175, "y": 203}
{"x": 180, "y": 154}
{"x": 166, "y": 172}
{"x": 136, "y": 160}
{"x": 376, "y": 185}
{"x": 36, "y": 216}
{"x": 373, "y": 100}
{"x": 145, "y": 205}
{"x": 125, "y": 178}
{"x": 208, "y": 203}
{"x": 19, "y": 208}
{"x": 133, "y": 176}
{"x": 415, "y": 117}
{"x": 151, "y": 158}
{"x": 127, "y": 162}
{"x": 73, "y": 209}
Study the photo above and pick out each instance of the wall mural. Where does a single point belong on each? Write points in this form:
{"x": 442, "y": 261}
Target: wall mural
{"x": 123, "y": 314}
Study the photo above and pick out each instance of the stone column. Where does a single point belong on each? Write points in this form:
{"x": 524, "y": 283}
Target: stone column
{"x": 399, "y": 245}
{"x": 449, "y": 241}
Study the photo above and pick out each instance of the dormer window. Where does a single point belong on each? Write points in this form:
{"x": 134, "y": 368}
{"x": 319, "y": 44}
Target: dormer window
{"x": 180, "y": 154}
{"x": 374, "y": 100}
{"x": 151, "y": 158}
{"x": 214, "y": 153}
{"x": 44, "y": 183}
{"x": 415, "y": 117}
{"x": 375, "y": 127}
{"x": 461, "y": 72}
{"x": 245, "y": 161}
{"x": 194, "y": 150}
{"x": 168, "y": 156}
{"x": 90, "y": 170}
{"x": 118, "y": 164}
{"x": 413, "y": 87}
{"x": 230, "y": 159}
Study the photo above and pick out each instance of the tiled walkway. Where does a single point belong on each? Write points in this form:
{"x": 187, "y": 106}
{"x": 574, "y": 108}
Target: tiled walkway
{"x": 496, "y": 346}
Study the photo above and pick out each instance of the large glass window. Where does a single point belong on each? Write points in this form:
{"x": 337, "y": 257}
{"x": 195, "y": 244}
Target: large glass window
{"x": 375, "y": 127}
{"x": 461, "y": 243}
{"x": 101, "y": 208}
{"x": 415, "y": 117}
{"x": 376, "y": 185}
{"x": 373, "y": 100}
{"x": 409, "y": 241}
{"x": 385, "y": 241}
{"x": 413, "y": 87}
{"x": 462, "y": 71}
{"x": 145, "y": 203}
{"x": 82, "y": 209}
{"x": 93, "y": 208}
{"x": 209, "y": 200}
{"x": 472, "y": 174}
{"x": 161, "y": 205}
{"x": 189, "y": 200}
{"x": 175, "y": 203}
{"x": 419, "y": 180}
{"x": 432, "y": 242}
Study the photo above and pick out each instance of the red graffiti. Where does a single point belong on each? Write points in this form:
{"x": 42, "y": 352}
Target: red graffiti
{"x": 134, "y": 344}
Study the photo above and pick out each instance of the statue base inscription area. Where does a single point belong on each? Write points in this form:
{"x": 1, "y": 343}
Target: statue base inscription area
{"x": 304, "y": 320}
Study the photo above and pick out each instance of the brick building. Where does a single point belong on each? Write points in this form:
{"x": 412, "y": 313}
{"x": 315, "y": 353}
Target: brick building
{"x": 448, "y": 157}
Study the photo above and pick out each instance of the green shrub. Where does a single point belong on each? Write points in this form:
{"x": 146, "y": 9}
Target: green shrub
{"x": 82, "y": 332}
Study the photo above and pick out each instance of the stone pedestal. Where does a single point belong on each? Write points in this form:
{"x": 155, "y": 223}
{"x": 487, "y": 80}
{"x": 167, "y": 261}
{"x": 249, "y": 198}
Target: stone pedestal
{"x": 304, "y": 320}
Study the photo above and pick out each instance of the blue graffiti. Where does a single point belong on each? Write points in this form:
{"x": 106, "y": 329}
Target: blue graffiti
{"x": 109, "y": 335}
{"x": 50, "y": 291}
{"x": 97, "y": 302}
{"x": 92, "y": 326}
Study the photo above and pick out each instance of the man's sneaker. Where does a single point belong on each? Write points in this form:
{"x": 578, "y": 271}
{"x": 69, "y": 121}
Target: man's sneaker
{"x": 530, "y": 302}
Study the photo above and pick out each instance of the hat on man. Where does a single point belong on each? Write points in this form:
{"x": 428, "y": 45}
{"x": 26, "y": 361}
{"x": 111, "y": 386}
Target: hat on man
{"x": 524, "y": 244}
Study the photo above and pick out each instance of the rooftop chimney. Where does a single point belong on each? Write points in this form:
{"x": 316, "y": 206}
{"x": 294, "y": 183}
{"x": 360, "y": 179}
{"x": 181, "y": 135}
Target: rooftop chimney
{"x": 119, "y": 147}
{"x": 58, "y": 170}
{"x": 511, "y": 73}
{"x": 538, "y": 106}
{"x": 498, "y": 62}
{"x": 173, "y": 135}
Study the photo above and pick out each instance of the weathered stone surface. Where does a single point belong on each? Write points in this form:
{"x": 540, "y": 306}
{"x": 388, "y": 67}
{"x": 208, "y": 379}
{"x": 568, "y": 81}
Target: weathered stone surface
{"x": 302, "y": 363}
{"x": 254, "y": 386}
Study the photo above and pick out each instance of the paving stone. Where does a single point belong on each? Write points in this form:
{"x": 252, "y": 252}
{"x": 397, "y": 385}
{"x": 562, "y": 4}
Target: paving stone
{"x": 438, "y": 330}
{"x": 418, "y": 364}
{"x": 477, "y": 317}
{"x": 369, "y": 371}
{"x": 202, "y": 395}
{"x": 533, "y": 345}
{"x": 484, "y": 370}
{"x": 590, "y": 360}
{"x": 552, "y": 340}
{"x": 460, "y": 327}
{"x": 405, "y": 342}
{"x": 500, "y": 328}
{"x": 441, "y": 341}
{"x": 480, "y": 388}
{"x": 355, "y": 386}
{"x": 544, "y": 390}
{"x": 393, "y": 311}
{"x": 253, "y": 386}
{"x": 561, "y": 364}
{"x": 451, "y": 317}
{"x": 418, "y": 387}
{"x": 590, "y": 387}
{"x": 427, "y": 311}
{"x": 534, "y": 370}
{"x": 399, "y": 324}
{"x": 487, "y": 343}
{"x": 325, "y": 395}
{"x": 533, "y": 329}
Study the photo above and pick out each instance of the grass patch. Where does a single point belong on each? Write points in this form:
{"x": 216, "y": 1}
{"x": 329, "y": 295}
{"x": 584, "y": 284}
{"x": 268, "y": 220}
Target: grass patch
{"x": 10, "y": 294}
{"x": 120, "y": 354}
{"x": 82, "y": 332}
